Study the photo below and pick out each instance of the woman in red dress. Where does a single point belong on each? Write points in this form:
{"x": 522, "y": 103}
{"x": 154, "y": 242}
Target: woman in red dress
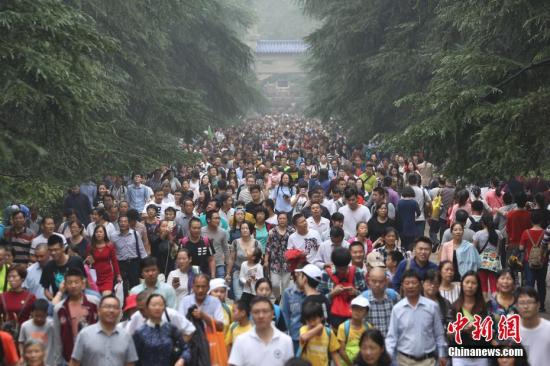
{"x": 102, "y": 256}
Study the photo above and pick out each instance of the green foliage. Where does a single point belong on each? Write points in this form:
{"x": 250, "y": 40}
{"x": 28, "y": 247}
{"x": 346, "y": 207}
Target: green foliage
{"x": 95, "y": 86}
{"x": 465, "y": 81}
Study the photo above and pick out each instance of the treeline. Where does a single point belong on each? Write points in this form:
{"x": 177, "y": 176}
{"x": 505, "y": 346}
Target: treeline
{"x": 467, "y": 82}
{"x": 95, "y": 86}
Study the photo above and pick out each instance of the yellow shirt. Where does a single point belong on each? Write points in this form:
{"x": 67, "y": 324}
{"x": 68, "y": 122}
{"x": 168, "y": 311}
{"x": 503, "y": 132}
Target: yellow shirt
{"x": 352, "y": 343}
{"x": 234, "y": 331}
{"x": 317, "y": 348}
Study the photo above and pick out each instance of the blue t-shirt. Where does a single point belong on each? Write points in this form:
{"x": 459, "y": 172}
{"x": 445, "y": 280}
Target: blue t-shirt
{"x": 407, "y": 210}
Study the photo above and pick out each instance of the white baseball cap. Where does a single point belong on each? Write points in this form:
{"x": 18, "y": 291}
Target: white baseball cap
{"x": 312, "y": 271}
{"x": 361, "y": 301}
{"x": 217, "y": 283}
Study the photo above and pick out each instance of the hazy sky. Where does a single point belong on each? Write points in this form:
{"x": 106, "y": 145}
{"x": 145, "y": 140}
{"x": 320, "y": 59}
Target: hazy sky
{"x": 281, "y": 19}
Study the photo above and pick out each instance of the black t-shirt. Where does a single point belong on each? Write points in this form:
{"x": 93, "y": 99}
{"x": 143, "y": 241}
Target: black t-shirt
{"x": 200, "y": 253}
{"x": 378, "y": 229}
{"x": 53, "y": 275}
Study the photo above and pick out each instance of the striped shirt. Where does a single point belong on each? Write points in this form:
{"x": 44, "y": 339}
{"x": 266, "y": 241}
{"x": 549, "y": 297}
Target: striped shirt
{"x": 126, "y": 247}
{"x": 21, "y": 243}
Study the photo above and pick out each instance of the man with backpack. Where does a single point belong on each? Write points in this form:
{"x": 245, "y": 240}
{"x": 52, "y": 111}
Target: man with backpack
{"x": 202, "y": 253}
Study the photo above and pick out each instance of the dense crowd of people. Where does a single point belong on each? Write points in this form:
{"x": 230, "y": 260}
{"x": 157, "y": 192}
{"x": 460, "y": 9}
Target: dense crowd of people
{"x": 282, "y": 245}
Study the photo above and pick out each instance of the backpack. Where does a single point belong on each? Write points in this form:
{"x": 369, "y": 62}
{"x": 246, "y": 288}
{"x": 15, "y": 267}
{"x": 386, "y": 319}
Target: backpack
{"x": 475, "y": 225}
{"x": 227, "y": 310}
{"x": 301, "y": 349}
{"x": 340, "y": 304}
{"x": 347, "y": 327}
{"x": 537, "y": 255}
{"x": 185, "y": 240}
{"x": 437, "y": 206}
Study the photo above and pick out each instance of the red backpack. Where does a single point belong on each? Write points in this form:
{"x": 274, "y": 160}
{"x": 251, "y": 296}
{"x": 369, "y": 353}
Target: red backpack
{"x": 340, "y": 304}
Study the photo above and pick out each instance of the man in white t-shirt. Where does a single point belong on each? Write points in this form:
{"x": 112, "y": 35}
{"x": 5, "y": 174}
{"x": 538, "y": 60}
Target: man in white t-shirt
{"x": 48, "y": 227}
{"x": 264, "y": 344}
{"x": 534, "y": 330}
{"x": 158, "y": 203}
{"x": 353, "y": 212}
{"x": 304, "y": 239}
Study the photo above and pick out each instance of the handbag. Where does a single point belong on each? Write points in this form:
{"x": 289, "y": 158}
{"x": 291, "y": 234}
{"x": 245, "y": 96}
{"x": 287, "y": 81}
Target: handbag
{"x": 490, "y": 260}
{"x": 216, "y": 342}
{"x": 177, "y": 342}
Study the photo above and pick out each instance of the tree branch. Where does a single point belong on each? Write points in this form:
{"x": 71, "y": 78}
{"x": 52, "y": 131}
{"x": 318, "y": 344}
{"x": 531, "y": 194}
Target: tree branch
{"x": 505, "y": 81}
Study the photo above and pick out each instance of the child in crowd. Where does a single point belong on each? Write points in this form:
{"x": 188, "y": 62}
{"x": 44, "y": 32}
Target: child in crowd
{"x": 251, "y": 271}
{"x": 350, "y": 331}
{"x": 241, "y": 324}
{"x": 39, "y": 328}
{"x": 318, "y": 343}
{"x": 218, "y": 289}
{"x": 264, "y": 288}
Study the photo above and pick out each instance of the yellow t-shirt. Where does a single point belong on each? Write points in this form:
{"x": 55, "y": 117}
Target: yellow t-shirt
{"x": 235, "y": 331}
{"x": 316, "y": 350}
{"x": 352, "y": 344}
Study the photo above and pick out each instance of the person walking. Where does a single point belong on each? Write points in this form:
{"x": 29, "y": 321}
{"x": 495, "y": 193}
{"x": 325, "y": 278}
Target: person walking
{"x": 103, "y": 343}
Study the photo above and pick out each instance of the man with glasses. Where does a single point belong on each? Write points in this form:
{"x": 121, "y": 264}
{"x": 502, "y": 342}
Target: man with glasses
{"x": 534, "y": 329}
{"x": 104, "y": 343}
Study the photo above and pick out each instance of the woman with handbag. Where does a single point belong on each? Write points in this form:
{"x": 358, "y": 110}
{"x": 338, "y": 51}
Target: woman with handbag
{"x": 102, "y": 256}
{"x": 16, "y": 303}
{"x": 487, "y": 243}
{"x": 156, "y": 341}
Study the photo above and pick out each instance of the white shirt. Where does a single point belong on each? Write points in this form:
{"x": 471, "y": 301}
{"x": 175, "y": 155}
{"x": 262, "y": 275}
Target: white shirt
{"x": 308, "y": 243}
{"x": 325, "y": 252}
{"x": 537, "y": 342}
{"x": 182, "y": 290}
{"x": 351, "y": 218}
{"x": 110, "y": 228}
{"x": 32, "y": 282}
{"x": 180, "y": 321}
{"x": 41, "y": 239}
{"x": 321, "y": 227}
{"x": 420, "y": 195}
{"x": 160, "y": 208}
{"x": 250, "y": 350}
{"x": 255, "y": 273}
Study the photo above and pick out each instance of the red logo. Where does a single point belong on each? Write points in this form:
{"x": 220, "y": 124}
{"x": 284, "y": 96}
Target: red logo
{"x": 508, "y": 328}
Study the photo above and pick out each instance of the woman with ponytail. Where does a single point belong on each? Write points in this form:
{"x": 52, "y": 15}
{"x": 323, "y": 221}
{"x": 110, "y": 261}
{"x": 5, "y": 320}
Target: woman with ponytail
{"x": 487, "y": 241}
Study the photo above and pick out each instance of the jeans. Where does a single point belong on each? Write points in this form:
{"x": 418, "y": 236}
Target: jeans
{"x": 279, "y": 281}
{"x": 220, "y": 271}
{"x": 237, "y": 287}
{"x": 537, "y": 275}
